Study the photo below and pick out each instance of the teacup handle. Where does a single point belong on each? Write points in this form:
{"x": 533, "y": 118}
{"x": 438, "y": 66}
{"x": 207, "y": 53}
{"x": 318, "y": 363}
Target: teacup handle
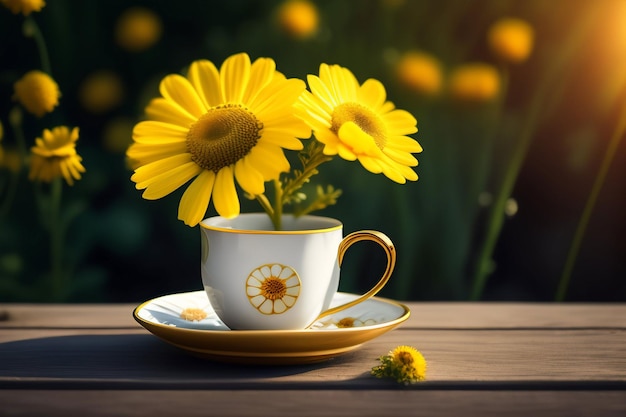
{"x": 390, "y": 251}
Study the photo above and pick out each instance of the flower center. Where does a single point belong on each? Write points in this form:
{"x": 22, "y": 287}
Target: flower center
{"x": 222, "y": 136}
{"x": 405, "y": 358}
{"x": 364, "y": 118}
{"x": 345, "y": 322}
{"x": 273, "y": 288}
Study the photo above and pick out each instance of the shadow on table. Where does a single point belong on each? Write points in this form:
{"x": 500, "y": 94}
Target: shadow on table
{"x": 135, "y": 361}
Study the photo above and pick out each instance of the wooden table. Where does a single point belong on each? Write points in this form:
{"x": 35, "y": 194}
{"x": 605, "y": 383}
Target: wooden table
{"x": 484, "y": 359}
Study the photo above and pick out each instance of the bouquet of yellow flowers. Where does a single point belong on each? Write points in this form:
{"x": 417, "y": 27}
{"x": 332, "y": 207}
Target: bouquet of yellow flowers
{"x": 216, "y": 126}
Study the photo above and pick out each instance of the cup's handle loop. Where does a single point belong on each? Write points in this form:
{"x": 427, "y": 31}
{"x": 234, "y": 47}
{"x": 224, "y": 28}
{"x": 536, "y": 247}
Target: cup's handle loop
{"x": 390, "y": 251}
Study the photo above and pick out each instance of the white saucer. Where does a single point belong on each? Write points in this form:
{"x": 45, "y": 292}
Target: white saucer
{"x": 210, "y": 338}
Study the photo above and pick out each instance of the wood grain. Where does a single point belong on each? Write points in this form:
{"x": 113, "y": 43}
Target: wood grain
{"x": 484, "y": 359}
{"x": 377, "y": 403}
{"x": 455, "y": 358}
{"x": 427, "y": 315}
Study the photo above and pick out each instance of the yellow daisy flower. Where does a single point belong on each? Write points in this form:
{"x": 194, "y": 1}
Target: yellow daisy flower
{"x": 420, "y": 72}
{"x": 217, "y": 126}
{"x": 54, "y": 155}
{"x": 37, "y": 92}
{"x": 137, "y": 29}
{"x": 356, "y": 122}
{"x": 474, "y": 82}
{"x": 101, "y": 91}
{"x": 405, "y": 364}
{"x": 511, "y": 39}
{"x": 298, "y": 18}
{"x": 410, "y": 361}
{"x": 25, "y": 7}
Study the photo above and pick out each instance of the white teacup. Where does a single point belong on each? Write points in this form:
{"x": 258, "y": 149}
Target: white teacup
{"x": 258, "y": 278}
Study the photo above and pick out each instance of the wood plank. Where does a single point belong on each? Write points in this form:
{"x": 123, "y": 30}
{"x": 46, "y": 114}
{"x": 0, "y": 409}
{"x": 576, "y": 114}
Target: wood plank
{"x": 456, "y": 358}
{"x": 95, "y": 316}
{"x": 463, "y": 315}
{"x": 247, "y": 403}
{"x": 426, "y": 315}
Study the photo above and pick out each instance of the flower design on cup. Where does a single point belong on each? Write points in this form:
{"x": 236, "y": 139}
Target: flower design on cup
{"x": 273, "y": 288}
{"x": 348, "y": 322}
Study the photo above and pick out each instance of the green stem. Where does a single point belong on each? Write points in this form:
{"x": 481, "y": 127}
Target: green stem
{"x": 277, "y": 219}
{"x": 15, "y": 120}
{"x": 497, "y": 213}
{"x": 285, "y": 190}
{"x": 265, "y": 204}
{"x": 32, "y": 29}
{"x": 589, "y": 206}
{"x": 317, "y": 158}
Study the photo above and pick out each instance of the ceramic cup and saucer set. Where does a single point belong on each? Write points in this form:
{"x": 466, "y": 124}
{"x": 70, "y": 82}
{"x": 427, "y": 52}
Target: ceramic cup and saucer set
{"x": 271, "y": 297}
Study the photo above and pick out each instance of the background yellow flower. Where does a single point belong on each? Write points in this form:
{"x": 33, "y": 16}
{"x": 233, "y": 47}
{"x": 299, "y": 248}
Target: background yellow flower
{"x": 54, "y": 156}
{"x": 37, "y": 92}
{"x": 511, "y": 39}
{"x": 101, "y": 91}
{"x": 25, "y": 7}
{"x": 137, "y": 29}
{"x": 298, "y": 18}
{"x": 475, "y": 82}
{"x": 420, "y": 72}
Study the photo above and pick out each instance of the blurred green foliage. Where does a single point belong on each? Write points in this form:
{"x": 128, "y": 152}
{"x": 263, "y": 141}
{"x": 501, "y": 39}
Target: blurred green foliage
{"x": 122, "y": 248}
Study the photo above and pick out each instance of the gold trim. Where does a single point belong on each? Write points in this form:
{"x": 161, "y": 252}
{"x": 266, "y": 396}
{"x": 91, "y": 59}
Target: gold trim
{"x": 271, "y": 347}
{"x": 390, "y": 250}
{"x": 224, "y": 229}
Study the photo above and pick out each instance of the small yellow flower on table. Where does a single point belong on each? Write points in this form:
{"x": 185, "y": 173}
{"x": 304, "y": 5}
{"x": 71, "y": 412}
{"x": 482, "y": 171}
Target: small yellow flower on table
{"x": 405, "y": 364}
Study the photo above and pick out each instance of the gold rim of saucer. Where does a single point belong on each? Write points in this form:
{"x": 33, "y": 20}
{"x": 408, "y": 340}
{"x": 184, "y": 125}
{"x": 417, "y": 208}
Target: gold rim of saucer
{"x": 310, "y": 345}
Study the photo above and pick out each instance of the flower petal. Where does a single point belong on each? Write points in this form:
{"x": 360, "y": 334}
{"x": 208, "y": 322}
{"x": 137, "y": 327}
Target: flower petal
{"x": 161, "y": 185}
{"x": 282, "y": 139}
{"x": 322, "y": 91}
{"x": 396, "y": 172}
{"x": 248, "y": 177}
{"x": 370, "y": 164}
{"x": 400, "y": 157}
{"x": 400, "y": 122}
{"x": 156, "y": 133}
{"x": 373, "y": 94}
{"x": 178, "y": 89}
{"x": 269, "y": 160}
{"x": 345, "y": 83}
{"x": 145, "y": 172}
{"x": 225, "y": 197}
{"x": 146, "y": 153}
{"x": 357, "y": 140}
{"x": 277, "y": 98}
{"x": 234, "y": 77}
{"x": 261, "y": 73}
{"x": 195, "y": 200}
{"x": 404, "y": 143}
{"x": 167, "y": 111}
{"x": 205, "y": 78}
{"x": 344, "y": 152}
